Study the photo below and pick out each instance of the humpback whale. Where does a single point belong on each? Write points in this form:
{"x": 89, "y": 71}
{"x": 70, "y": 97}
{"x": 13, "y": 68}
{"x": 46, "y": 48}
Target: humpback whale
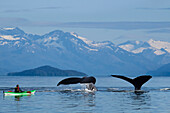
{"x": 137, "y": 82}
{"x": 89, "y": 81}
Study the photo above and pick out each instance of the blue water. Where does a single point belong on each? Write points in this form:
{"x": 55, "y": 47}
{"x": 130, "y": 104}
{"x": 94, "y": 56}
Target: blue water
{"x": 113, "y": 95}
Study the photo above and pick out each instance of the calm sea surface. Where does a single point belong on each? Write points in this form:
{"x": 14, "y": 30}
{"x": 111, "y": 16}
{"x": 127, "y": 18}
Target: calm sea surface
{"x": 113, "y": 95}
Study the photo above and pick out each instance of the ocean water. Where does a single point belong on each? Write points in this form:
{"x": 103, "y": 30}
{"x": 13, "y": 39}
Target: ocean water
{"x": 113, "y": 95}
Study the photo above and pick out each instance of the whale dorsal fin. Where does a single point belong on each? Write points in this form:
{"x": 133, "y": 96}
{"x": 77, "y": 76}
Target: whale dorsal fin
{"x": 137, "y": 82}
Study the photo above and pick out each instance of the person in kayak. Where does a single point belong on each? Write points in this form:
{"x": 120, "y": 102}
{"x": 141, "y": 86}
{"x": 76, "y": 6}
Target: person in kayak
{"x": 17, "y": 89}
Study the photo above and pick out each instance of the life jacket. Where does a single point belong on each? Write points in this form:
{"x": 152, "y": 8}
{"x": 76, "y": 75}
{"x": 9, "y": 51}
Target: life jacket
{"x": 17, "y": 89}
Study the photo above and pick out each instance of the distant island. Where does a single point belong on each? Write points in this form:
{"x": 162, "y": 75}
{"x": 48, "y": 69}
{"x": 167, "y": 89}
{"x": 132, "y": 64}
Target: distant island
{"x": 162, "y": 71}
{"x": 47, "y": 71}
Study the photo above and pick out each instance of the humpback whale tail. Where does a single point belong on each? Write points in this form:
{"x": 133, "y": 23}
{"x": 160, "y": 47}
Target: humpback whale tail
{"x": 67, "y": 81}
{"x": 137, "y": 82}
{"x": 74, "y": 80}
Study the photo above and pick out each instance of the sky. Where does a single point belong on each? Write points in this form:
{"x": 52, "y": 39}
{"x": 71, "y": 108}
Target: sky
{"x": 99, "y": 20}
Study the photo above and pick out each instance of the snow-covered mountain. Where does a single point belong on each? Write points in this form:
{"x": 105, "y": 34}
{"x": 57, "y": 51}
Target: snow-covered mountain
{"x": 156, "y": 51}
{"x": 158, "y": 47}
{"x": 20, "y": 51}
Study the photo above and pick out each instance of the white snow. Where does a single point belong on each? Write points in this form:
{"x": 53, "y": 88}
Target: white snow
{"x": 90, "y": 43}
{"x": 3, "y": 43}
{"x": 128, "y": 47}
{"x": 137, "y": 42}
{"x": 9, "y": 37}
{"x": 54, "y": 44}
{"x": 74, "y": 41}
{"x": 49, "y": 39}
{"x": 23, "y": 39}
{"x": 154, "y": 45}
{"x": 82, "y": 38}
{"x": 109, "y": 47}
{"x": 117, "y": 50}
{"x": 85, "y": 40}
{"x": 90, "y": 49}
{"x": 8, "y": 28}
{"x": 139, "y": 50}
{"x": 1, "y": 38}
{"x": 159, "y": 52}
{"x": 160, "y": 44}
{"x": 99, "y": 44}
{"x": 16, "y": 43}
{"x": 80, "y": 48}
{"x": 53, "y": 38}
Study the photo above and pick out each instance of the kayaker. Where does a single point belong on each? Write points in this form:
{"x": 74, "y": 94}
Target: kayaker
{"x": 17, "y": 89}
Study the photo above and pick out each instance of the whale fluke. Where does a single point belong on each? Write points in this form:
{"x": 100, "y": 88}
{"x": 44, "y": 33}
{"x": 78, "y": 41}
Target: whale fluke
{"x": 67, "y": 81}
{"x": 88, "y": 80}
{"x": 137, "y": 82}
{"x": 75, "y": 80}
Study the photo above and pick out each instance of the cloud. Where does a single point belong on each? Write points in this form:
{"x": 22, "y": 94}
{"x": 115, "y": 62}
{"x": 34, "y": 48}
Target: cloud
{"x": 29, "y": 10}
{"x": 16, "y": 10}
{"x": 167, "y": 8}
{"x": 114, "y": 25}
{"x": 159, "y": 31}
{"x": 163, "y": 8}
{"x": 49, "y": 8}
{"x": 9, "y": 21}
{"x": 96, "y": 25}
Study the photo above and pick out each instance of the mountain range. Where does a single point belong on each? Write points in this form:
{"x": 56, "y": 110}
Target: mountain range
{"x": 161, "y": 71}
{"x": 69, "y": 51}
